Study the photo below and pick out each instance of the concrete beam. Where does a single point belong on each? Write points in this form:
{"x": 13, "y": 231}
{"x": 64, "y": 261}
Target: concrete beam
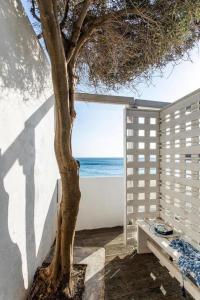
{"x": 120, "y": 100}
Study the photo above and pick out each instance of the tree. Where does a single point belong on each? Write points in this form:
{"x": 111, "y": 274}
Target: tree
{"x": 111, "y": 42}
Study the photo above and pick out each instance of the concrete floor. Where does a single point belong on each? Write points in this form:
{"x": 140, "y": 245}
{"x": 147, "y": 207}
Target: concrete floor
{"x": 128, "y": 276}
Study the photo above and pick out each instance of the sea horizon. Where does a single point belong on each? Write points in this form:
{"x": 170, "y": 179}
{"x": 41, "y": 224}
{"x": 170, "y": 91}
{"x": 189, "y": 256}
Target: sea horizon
{"x": 100, "y": 166}
{"x": 83, "y": 157}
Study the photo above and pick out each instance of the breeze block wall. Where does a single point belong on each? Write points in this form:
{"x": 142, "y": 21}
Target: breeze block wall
{"x": 28, "y": 172}
{"x": 163, "y": 167}
{"x": 180, "y": 166}
{"x": 141, "y": 167}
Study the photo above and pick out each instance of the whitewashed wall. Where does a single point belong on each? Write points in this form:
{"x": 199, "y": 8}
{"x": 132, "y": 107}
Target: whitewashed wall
{"x": 102, "y": 201}
{"x": 28, "y": 172}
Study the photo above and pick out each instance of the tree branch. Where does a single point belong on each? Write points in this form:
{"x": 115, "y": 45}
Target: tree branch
{"x": 40, "y": 35}
{"x": 78, "y": 24}
{"x": 120, "y": 13}
{"x": 62, "y": 24}
{"x": 100, "y": 21}
{"x": 54, "y": 44}
{"x": 33, "y": 11}
{"x": 72, "y": 84}
{"x": 77, "y": 29}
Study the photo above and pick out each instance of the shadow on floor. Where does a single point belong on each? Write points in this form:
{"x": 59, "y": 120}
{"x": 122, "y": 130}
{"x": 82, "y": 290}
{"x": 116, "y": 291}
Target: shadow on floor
{"x": 129, "y": 276}
{"x": 99, "y": 237}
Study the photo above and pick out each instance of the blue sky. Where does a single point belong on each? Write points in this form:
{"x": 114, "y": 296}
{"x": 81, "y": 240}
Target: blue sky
{"x": 98, "y": 129}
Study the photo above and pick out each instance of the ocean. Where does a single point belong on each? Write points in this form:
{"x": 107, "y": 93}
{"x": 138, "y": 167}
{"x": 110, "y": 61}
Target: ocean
{"x": 99, "y": 167}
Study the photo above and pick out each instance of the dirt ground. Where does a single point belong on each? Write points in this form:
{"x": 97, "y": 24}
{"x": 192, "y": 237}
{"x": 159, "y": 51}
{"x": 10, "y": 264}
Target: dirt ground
{"x": 38, "y": 289}
{"x": 129, "y": 276}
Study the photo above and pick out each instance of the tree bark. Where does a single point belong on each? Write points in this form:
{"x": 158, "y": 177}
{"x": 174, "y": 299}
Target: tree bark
{"x": 62, "y": 262}
{"x": 63, "y": 84}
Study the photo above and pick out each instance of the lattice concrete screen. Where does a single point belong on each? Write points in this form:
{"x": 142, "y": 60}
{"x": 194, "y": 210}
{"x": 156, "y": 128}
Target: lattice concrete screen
{"x": 180, "y": 167}
{"x": 142, "y": 167}
{"x": 162, "y": 162}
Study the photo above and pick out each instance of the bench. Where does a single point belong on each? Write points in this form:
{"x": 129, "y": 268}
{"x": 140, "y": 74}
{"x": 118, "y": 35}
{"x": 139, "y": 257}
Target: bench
{"x": 149, "y": 242}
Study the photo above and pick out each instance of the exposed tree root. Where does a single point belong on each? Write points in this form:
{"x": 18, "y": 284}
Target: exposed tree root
{"x": 43, "y": 289}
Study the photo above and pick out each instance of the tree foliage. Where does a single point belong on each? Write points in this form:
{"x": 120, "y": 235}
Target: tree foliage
{"x": 123, "y": 40}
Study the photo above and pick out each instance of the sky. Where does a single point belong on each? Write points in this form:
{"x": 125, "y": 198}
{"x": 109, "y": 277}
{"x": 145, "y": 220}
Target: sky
{"x": 98, "y": 128}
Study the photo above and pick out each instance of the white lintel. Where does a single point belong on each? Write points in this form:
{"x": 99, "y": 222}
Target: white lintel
{"x": 121, "y": 100}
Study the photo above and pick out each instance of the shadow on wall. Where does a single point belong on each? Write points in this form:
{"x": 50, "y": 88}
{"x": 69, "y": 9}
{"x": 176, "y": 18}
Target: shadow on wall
{"x": 25, "y": 77}
{"x": 24, "y": 73}
{"x": 11, "y": 262}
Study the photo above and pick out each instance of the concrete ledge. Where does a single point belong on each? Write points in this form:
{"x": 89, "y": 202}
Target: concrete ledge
{"x": 94, "y": 258}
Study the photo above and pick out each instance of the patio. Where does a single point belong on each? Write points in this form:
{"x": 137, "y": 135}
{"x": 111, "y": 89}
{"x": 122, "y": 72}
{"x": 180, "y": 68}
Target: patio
{"x": 161, "y": 159}
{"x": 161, "y": 176}
{"x": 130, "y": 276}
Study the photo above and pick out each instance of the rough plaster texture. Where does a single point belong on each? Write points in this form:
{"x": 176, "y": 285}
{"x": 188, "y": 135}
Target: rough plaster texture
{"x": 101, "y": 202}
{"x": 28, "y": 172}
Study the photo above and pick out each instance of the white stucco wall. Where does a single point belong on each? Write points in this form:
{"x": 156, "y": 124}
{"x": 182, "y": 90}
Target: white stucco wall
{"x": 102, "y": 201}
{"x": 28, "y": 172}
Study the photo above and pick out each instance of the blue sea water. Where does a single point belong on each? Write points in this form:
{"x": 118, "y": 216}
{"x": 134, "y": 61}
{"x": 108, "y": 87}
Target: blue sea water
{"x": 97, "y": 167}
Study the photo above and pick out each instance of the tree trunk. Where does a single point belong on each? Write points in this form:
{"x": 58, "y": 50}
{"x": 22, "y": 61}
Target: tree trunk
{"x": 62, "y": 262}
{"x": 61, "y": 265}
{"x": 63, "y": 84}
